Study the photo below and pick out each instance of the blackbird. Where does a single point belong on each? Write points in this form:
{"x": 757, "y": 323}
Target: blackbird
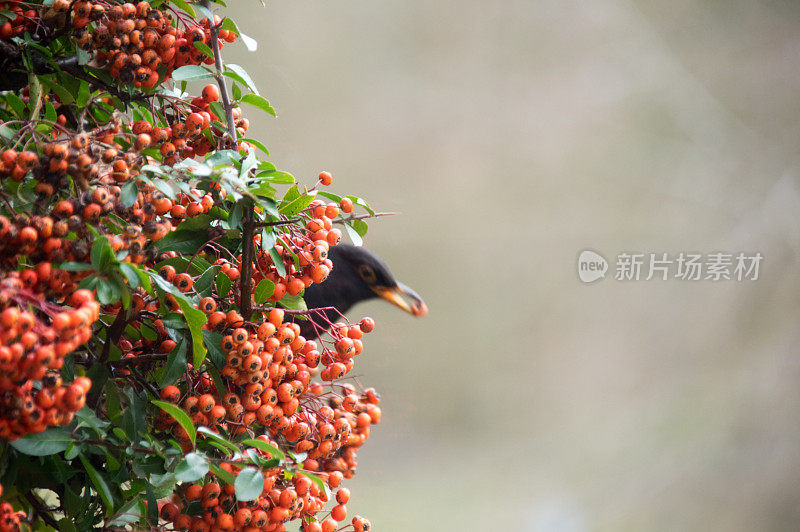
{"x": 357, "y": 275}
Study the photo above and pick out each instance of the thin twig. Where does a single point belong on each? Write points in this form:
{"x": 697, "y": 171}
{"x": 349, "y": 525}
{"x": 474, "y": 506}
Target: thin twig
{"x": 138, "y": 359}
{"x": 363, "y": 217}
{"x": 279, "y": 222}
{"x": 223, "y": 89}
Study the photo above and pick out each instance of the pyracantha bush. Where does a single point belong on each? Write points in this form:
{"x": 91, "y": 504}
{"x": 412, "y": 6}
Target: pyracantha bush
{"x": 152, "y": 370}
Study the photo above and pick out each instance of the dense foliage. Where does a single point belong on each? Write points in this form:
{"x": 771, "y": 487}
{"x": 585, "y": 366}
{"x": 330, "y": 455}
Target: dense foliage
{"x": 152, "y": 373}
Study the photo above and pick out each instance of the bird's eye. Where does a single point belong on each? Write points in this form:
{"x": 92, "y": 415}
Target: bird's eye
{"x": 367, "y": 273}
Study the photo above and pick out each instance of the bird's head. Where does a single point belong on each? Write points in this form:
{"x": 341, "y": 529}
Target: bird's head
{"x": 369, "y": 277}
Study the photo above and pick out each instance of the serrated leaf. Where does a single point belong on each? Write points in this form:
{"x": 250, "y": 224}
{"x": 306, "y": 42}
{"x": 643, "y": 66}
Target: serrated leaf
{"x": 249, "y": 484}
{"x": 260, "y": 102}
{"x": 180, "y": 416}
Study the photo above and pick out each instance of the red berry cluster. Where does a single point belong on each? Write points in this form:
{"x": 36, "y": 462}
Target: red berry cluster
{"x": 35, "y": 336}
{"x": 268, "y": 371}
{"x": 282, "y": 500}
{"x": 9, "y": 519}
{"x": 24, "y": 19}
{"x": 135, "y": 40}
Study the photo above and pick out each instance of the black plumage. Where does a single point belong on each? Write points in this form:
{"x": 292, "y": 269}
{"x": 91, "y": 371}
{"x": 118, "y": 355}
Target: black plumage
{"x": 357, "y": 275}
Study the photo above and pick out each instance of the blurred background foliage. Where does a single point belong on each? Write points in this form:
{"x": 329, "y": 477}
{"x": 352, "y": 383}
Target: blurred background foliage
{"x": 511, "y": 135}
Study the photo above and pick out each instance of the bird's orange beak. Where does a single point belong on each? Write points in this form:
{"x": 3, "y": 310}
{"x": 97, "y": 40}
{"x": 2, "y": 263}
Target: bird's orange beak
{"x": 396, "y": 295}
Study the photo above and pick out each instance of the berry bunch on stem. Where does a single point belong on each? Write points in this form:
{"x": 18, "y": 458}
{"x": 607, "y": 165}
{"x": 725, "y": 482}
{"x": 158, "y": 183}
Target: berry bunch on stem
{"x": 153, "y": 264}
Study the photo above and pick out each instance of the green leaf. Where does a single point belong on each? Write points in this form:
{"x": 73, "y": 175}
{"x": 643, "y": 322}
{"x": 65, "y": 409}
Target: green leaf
{"x": 88, "y": 417}
{"x": 360, "y": 226}
{"x": 236, "y": 72}
{"x": 223, "y": 475}
{"x": 249, "y": 42}
{"x": 194, "y": 318}
{"x": 257, "y": 144}
{"x": 130, "y": 274}
{"x": 263, "y": 291}
{"x": 100, "y": 485}
{"x": 277, "y": 260}
{"x": 362, "y": 202}
{"x": 65, "y": 524}
{"x": 126, "y": 515}
{"x": 204, "y": 283}
{"x": 218, "y": 111}
{"x": 129, "y": 193}
{"x": 193, "y": 467}
{"x": 63, "y": 94}
{"x": 249, "y": 484}
{"x": 211, "y": 435}
{"x": 277, "y": 177}
{"x": 185, "y": 6}
{"x": 260, "y": 102}
{"x": 50, "y": 111}
{"x": 293, "y": 302}
{"x": 355, "y": 238}
{"x": 191, "y": 73}
{"x": 74, "y": 266}
{"x": 223, "y": 284}
{"x": 203, "y": 47}
{"x": 175, "y": 366}
{"x": 107, "y": 292}
{"x": 266, "y": 447}
{"x": 16, "y": 104}
{"x": 322, "y": 485}
{"x": 83, "y": 94}
{"x": 294, "y": 202}
{"x": 51, "y": 441}
{"x": 180, "y": 416}
{"x": 102, "y": 254}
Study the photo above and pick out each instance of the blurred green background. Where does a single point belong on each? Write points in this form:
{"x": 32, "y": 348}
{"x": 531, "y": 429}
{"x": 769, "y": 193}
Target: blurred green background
{"x": 511, "y": 135}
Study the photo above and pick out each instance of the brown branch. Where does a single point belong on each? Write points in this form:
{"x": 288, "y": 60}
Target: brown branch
{"x": 279, "y": 222}
{"x": 41, "y": 510}
{"x": 248, "y": 250}
{"x": 223, "y": 89}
